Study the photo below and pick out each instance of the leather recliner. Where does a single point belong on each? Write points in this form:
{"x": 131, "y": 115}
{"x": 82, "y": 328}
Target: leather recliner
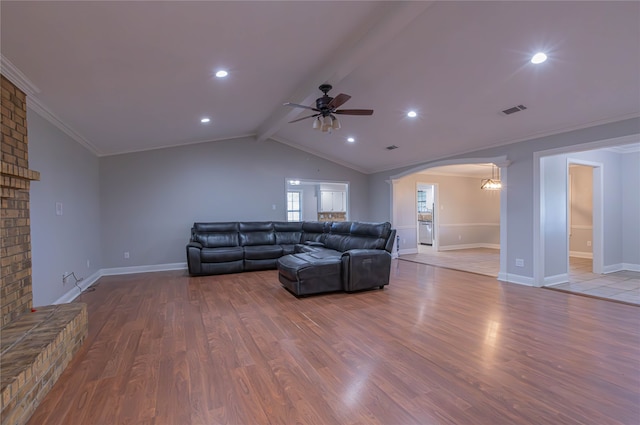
{"x": 312, "y": 257}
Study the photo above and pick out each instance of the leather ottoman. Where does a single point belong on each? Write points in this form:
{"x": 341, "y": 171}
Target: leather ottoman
{"x": 304, "y": 274}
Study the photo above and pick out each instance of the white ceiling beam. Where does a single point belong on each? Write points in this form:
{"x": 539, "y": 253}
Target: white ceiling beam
{"x": 391, "y": 19}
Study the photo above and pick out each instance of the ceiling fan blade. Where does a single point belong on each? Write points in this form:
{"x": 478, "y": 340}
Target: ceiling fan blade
{"x": 338, "y": 100}
{"x": 304, "y": 118}
{"x": 354, "y": 111}
{"x": 295, "y": 105}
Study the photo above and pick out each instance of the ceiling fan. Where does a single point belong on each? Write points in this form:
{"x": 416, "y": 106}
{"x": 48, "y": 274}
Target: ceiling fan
{"x": 327, "y": 108}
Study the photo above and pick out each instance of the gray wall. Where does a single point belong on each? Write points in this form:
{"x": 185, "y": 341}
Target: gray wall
{"x": 466, "y": 215}
{"x": 618, "y": 180}
{"x": 581, "y": 211}
{"x": 519, "y": 188}
{"x": 631, "y": 208}
{"x": 145, "y": 202}
{"x": 68, "y": 174}
{"x": 149, "y": 200}
{"x": 554, "y": 209}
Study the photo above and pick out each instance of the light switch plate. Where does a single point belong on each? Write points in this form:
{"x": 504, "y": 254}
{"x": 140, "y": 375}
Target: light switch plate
{"x": 58, "y": 208}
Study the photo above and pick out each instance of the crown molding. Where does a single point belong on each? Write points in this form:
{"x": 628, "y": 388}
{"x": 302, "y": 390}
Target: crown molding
{"x": 17, "y": 77}
{"x": 13, "y": 74}
{"x": 631, "y": 148}
{"x": 39, "y": 108}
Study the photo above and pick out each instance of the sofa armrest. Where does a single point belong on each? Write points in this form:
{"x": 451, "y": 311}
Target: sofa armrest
{"x": 194, "y": 245}
{"x": 194, "y": 261}
{"x": 365, "y": 269}
{"x": 391, "y": 241}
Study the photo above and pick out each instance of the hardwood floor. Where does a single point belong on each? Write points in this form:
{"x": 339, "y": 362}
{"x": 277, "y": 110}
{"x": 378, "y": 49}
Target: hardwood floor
{"x": 164, "y": 348}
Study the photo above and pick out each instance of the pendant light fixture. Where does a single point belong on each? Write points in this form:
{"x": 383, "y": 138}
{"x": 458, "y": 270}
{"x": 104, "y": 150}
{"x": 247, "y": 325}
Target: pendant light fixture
{"x": 494, "y": 182}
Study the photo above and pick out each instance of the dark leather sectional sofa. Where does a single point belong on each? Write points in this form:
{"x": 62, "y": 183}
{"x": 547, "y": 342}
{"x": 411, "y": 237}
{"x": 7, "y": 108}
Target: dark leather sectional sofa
{"x": 311, "y": 257}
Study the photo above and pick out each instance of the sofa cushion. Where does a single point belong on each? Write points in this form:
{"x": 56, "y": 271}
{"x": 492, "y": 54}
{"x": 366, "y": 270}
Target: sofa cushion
{"x": 314, "y": 231}
{"x": 262, "y": 252}
{"x": 221, "y": 255}
{"x": 288, "y": 233}
{"x": 323, "y": 253}
{"x": 213, "y": 235}
{"x": 338, "y": 232}
{"x": 230, "y": 226}
{"x": 257, "y": 233}
{"x": 357, "y": 236}
{"x": 288, "y": 249}
{"x": 302, "y": 265}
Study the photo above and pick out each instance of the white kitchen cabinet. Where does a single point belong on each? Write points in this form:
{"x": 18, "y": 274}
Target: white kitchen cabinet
{"x": 332, "y": 201}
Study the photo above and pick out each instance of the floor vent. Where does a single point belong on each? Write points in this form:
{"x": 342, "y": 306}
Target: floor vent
{"x": 514, "y": 109}
{"x": 392, "y": 147}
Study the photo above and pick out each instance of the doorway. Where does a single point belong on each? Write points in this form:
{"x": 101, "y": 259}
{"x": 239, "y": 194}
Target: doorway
{"x": 580, "y": 213}
{"x": 466, "y": 220}
{"x": 426, "y": 215}
{"x": 312, "y": 200}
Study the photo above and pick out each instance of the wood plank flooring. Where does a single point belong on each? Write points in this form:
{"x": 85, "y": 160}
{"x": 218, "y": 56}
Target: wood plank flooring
{"x": 431, "y": 348}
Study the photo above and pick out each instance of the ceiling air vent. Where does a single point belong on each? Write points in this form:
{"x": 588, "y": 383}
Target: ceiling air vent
{"x": 392, "y": 147}
{"x": 514, "y": 109}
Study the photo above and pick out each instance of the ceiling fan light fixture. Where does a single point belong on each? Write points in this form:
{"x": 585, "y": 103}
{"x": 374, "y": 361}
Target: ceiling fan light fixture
{"x": 325, "y": 108}
{"x": 327, "y": 124}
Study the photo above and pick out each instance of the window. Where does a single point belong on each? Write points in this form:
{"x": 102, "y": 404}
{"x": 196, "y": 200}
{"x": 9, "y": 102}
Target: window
{"x": 422, "y": 201}
{"x": 293, "y": 206}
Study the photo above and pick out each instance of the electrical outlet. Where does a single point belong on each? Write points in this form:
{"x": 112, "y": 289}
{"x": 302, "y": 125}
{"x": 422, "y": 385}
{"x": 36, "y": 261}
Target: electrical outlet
{"x": 459, "y": 237}
{"x": 588, "y": 243}
{"x": 126, "y": 255}
{"x": 88, "y": 264}
{"x": 519, "y": 262}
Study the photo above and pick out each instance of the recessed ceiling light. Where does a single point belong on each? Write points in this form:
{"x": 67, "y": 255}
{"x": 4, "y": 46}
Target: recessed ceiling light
{"x": 222, "y": 73}
{"x": 412, "y": 114}
{"x": 351, "y": 140}
{"x": 538, "y": 58}
{"x": 205, "y": 120}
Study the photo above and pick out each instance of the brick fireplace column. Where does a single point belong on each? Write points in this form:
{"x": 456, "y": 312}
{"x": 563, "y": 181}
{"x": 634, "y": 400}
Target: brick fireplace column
{"x": 15, "y": 232}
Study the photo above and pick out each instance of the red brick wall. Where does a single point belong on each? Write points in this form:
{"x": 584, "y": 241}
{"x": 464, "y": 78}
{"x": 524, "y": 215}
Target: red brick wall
{"x": 15, "y": 234}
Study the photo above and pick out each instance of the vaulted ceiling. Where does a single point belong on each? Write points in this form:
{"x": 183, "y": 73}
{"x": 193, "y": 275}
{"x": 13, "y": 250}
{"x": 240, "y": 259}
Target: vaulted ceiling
{"x": 132, "y": 76}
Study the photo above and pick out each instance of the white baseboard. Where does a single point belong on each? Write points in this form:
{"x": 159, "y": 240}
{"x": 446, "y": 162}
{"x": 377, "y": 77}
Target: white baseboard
{"x": 468, "y": 246}
{"x": 556, "y": 280}
{"x": 612, "y": 268}
{"x": 143, "y": 269}
{"x": 620, "y": 267}
{"x": 631, "y": 267}
{"x": 73, "y": 293}
{"x": 515, "y": 278}
{"x": 408, "y": 251}
{"x": 580, "y": 254}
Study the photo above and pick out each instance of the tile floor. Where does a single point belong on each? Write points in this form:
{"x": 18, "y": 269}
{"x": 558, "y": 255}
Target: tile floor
{"x": 484, "y": 261}
{"x": 623, "y": 286}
